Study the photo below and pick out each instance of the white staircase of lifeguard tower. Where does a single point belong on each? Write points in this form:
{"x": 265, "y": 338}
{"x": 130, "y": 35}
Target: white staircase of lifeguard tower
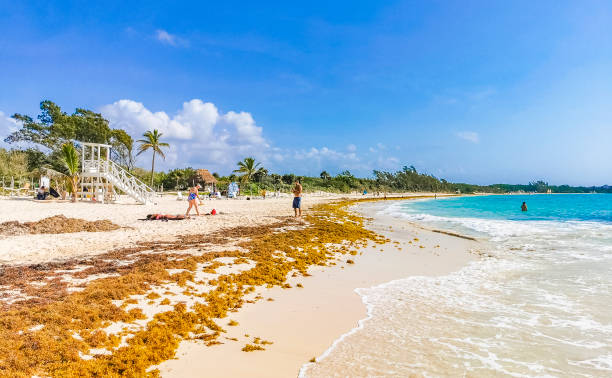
{"x": 102, "y": 171}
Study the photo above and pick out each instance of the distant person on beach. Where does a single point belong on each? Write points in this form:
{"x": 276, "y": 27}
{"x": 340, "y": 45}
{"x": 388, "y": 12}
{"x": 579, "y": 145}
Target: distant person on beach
{"x": 297, "y": 198}
{"x": 42, "y": 193}
{"x": 193, "y": 199}
{"x": 524, "y": 206}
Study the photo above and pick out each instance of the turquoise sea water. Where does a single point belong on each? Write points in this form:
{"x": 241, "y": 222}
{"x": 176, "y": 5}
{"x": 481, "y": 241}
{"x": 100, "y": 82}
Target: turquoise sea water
{"x": 540, "y": 305}
{"x": 557, "y": 207}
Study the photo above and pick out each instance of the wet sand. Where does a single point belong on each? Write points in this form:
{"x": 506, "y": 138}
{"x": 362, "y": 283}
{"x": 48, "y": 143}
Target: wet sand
{"x": 304, "y": 322}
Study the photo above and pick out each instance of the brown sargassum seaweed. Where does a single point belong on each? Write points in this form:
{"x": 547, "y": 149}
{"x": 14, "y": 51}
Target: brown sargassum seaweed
{"x": 50, "y": 328}
{"x": 57, "y": 224}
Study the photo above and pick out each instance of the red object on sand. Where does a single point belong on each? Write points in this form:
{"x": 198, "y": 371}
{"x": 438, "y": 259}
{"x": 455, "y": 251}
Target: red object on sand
{"x": 213, "y": 212}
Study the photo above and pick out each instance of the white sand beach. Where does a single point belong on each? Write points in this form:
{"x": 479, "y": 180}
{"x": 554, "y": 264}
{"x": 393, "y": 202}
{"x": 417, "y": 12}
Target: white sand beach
{"x": 26, "y": 249}
{"x": 302, "y": 322}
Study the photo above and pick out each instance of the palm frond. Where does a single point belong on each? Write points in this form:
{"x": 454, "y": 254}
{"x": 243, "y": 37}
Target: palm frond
{"x": 70, "y": 157}
{"x": 161, "y": 153}
{"x": 143, "y": 147}
{"x": 152, "y": 141}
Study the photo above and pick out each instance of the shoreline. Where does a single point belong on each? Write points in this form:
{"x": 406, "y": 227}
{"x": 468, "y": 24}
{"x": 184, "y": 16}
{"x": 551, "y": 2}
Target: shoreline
{"x": 301, "y": 323}
{"x": 308, "y": 322}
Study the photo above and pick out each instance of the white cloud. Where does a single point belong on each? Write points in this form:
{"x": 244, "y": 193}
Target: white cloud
{"x": 199, "y": 135}
{"x": 135, "y": 119}
{"x": 169, "y": 39}
{"x": 8, "y": 125}
{"x": 384, "y": 163}
{"x": 203, "y": 137}
{"x": 325, "y": 154}
{"x": 378, "y": 148}
{"x": 246, "y": 131}
{"x": 314, "y": 160}
{"x": 470, "y": 136}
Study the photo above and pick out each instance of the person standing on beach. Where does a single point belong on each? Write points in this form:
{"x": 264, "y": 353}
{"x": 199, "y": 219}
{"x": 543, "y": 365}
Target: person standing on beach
{"x": 297, "y": 198}
{"x": 193, "y": 199}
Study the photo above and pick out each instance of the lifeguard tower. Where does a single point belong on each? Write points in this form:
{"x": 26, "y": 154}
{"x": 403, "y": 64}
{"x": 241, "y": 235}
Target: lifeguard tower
{"x": 101, "y": 177}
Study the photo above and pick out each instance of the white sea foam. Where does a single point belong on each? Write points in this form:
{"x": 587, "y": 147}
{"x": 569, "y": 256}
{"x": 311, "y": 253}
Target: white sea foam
{"x": 541, "y": 306}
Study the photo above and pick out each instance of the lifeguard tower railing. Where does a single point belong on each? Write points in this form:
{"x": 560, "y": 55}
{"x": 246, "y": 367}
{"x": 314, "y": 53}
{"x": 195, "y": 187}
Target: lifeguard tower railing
{"x": 100, "y": 176}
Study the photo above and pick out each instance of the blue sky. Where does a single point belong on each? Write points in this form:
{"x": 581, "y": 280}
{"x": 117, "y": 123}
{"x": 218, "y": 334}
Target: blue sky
{"x": 472, "y": 91}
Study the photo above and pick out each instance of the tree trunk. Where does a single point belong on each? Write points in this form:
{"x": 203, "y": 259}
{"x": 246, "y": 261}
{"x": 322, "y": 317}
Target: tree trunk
{"x": 130, "y": 160}
{"x": 74, "y": 188}
{"x": 152, "y": 168}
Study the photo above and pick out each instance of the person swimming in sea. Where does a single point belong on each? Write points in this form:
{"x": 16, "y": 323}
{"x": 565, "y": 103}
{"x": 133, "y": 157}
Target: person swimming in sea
{"x": 524, "y": 206}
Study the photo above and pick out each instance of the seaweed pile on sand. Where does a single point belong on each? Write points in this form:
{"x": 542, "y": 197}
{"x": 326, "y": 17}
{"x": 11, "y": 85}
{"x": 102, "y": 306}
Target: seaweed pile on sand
{"x": 56, "y": 316}
{"x": 57, "y": 224}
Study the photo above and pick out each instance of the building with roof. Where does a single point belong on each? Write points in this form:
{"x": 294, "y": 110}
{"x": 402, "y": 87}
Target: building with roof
{"x": 206, "y": 180}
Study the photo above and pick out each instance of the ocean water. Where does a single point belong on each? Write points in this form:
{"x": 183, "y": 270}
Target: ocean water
{"x": 541, "y": 306}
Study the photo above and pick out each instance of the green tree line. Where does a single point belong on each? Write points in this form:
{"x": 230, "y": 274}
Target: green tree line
{"x": 53, "y": 128}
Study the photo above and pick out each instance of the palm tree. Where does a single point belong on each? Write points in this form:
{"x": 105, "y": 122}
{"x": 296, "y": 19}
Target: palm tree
{"x": 70, "y": 158}
{"x": 152, "y": 141}
{"x": 325, "y": 175}
{"x": 249, "y": 168}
